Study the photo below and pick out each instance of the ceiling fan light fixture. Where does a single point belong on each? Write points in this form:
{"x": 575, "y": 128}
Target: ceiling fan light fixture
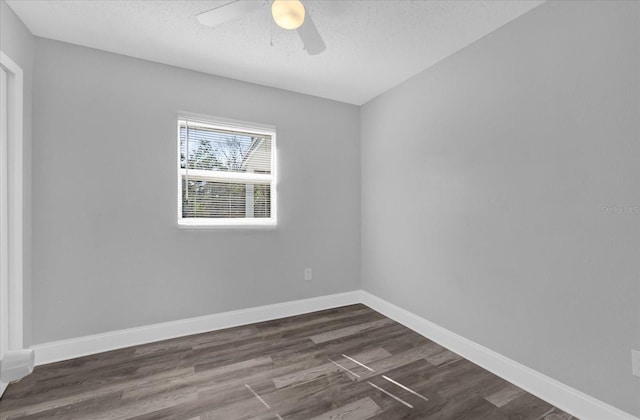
{"x": 288, "y": 14}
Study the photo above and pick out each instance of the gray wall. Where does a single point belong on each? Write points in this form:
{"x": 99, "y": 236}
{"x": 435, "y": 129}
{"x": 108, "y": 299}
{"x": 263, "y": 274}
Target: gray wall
{"x": 484, "y": 186}
{"x": 17, "y": 42}
{"x": 107, "y": 250}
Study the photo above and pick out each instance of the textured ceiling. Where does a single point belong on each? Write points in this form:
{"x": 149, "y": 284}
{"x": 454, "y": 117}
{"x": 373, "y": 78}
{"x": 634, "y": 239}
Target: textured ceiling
{"x": 371, "y": 45}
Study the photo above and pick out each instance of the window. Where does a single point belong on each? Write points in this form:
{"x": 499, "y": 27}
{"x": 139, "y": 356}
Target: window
{"x": 226, "y": 173}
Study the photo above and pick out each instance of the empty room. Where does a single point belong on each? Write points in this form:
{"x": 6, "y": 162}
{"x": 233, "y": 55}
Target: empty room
{"x": 320, "y": 209}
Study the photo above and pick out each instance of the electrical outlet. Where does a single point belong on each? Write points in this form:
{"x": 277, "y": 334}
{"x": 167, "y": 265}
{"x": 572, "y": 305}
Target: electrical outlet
{"x": 635, "y": 362}
{"x": 308, "y": 275}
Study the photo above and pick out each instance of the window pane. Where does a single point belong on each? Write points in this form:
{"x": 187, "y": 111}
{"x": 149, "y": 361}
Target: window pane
{"x": 207, "y": 199}
{"x": 218, "y": 150}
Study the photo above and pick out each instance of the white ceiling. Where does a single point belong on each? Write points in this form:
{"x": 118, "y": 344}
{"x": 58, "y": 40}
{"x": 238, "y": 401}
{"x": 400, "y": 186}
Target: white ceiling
{"x": 371, "y": 45}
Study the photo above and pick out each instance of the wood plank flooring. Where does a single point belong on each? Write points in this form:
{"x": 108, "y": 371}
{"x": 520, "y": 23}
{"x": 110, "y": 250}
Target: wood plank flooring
{"x": 347, "y": 363}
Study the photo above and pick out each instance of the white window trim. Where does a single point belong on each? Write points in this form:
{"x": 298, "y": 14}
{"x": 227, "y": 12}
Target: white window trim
{"x": 226, "y": 223}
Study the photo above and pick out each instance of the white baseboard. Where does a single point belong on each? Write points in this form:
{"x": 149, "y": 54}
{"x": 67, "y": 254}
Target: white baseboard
{"x": 558, "y": 394}
{"x": 82, "y": 346}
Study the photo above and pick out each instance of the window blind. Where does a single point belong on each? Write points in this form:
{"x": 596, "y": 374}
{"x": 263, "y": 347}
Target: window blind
{"x": 224, "y": 172}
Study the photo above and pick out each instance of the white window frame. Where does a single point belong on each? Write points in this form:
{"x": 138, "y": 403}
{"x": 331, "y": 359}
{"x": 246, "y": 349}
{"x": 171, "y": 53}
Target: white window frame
{"x": 229, "y": 125}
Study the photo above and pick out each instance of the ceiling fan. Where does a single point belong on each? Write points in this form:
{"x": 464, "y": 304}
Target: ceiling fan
{"x": 288, "y": 14}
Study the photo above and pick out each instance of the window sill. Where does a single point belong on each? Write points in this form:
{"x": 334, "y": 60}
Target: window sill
{"x": 228, "y": 224}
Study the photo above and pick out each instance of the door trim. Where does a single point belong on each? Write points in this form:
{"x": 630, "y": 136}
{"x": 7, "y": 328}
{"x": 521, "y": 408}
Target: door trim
{"x": 11, "y": 302}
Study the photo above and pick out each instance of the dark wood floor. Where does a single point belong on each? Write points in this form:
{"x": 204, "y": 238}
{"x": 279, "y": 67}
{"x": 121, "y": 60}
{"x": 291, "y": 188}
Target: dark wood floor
{"x": 345, "y": 363}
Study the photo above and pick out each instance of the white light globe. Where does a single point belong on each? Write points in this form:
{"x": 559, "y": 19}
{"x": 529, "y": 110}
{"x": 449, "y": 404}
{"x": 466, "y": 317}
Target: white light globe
{"x": 288, "y": 14}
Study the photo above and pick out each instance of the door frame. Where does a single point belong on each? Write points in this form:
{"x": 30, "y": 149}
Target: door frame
{"x": 11, "y": 234}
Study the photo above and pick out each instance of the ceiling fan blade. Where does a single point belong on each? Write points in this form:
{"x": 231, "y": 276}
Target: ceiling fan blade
{"x": 310, "y": 36}
{"x": 227, "y": 12}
